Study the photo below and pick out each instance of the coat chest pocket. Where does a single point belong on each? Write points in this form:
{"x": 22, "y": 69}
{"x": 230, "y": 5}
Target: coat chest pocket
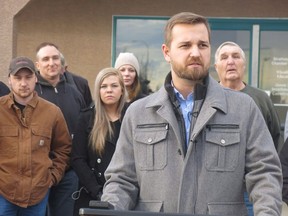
{"x": 222, "y": 147}
{"x": 41, "y": 138}
{"x": 151, "y": 148}
{"x": 9, "y": 141}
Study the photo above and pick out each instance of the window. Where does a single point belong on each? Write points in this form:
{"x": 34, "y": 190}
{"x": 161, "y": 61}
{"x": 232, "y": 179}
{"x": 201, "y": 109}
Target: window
{"x": 143, "y": 37}
{"x": 263, "y": 41}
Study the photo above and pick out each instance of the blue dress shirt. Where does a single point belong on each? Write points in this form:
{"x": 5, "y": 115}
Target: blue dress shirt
{"x": 186, "y": 106}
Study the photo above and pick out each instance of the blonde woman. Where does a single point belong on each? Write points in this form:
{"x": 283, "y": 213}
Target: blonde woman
{"x": 95, "y": 139}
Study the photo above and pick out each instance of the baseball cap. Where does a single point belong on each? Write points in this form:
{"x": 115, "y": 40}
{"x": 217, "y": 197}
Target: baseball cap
{"x": 20, "y": 63}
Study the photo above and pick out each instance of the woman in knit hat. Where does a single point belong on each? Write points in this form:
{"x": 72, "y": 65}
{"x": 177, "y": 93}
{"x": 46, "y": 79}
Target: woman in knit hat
{"x": 129, "y": 67}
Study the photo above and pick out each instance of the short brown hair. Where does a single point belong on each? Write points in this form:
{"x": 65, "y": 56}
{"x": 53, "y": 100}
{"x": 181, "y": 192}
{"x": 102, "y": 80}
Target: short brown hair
{"x": 183, "y": 18}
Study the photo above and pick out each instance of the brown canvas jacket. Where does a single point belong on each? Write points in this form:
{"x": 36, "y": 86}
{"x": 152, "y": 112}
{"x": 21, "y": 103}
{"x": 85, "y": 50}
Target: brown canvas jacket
{"x": 26, "y": 140}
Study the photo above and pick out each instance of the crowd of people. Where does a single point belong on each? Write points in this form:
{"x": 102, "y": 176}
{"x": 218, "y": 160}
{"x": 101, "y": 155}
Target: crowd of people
{"x": 198, "y": 146}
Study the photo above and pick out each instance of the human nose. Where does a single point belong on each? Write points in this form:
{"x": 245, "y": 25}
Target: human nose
{"x": 109, "y": 89}
{"x": 23, "y": 82}
{"x": 230, "y": 60}
{"x": 194, "y": 51}
{"x": 51, "y": 61}
{"x": 125, "y": 73}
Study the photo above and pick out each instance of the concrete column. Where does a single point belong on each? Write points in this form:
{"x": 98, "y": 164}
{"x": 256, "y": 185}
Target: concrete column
{"x": 8, "y": 9}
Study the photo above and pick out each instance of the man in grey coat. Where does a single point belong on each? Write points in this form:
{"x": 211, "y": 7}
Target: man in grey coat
{"x": 195, "y": 145}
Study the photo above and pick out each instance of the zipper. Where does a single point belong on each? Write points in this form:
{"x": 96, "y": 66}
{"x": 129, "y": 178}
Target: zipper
{"x": 222, "y": 126}
{"x": 160, "y": 125}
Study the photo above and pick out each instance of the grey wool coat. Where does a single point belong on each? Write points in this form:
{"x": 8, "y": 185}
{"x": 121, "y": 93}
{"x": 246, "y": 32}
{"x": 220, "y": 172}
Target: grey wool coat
{"x": 229, "y": 145}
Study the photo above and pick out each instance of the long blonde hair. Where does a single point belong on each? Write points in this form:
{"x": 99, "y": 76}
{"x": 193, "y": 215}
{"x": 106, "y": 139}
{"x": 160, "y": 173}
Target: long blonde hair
{"x": 102, "y": 127}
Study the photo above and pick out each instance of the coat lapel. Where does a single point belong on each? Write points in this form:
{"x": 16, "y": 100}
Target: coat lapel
{"x": 164, "y": 109}
{"x": 216, "y": 97}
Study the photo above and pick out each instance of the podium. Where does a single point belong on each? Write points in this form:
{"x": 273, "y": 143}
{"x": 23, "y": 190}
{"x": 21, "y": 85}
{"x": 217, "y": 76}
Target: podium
{"x": 109, "y": 212}
{"x": 101, "y": 208}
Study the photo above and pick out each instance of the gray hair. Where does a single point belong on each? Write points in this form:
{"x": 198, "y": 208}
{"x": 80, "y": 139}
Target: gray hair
{"x": 62, "y": 59}
{"x": 228, "y": 43}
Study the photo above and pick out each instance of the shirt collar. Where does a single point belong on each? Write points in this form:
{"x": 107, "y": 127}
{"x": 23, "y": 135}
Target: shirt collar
{"x": 180, "y": 96}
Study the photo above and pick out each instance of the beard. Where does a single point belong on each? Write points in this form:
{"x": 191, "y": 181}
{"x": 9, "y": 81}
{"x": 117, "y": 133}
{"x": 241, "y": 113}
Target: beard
{"x": 194, "y": 74}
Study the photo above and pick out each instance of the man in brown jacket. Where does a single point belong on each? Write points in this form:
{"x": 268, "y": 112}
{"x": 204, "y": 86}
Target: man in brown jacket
{"x": 30, "y": 128}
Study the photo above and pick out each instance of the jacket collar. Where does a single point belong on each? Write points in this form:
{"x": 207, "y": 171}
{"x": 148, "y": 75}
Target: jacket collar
{"x": 210, "y": 91}
{"x": 199, "y": 90}
{"x": 42, "y": 81}
{"x": 216, "y": 95}
{"x": 9, "y": 99}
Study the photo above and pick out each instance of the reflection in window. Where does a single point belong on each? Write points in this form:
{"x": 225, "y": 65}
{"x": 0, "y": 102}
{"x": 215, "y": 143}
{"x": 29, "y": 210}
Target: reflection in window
{"x": 274, "y": 65}
{"x": 273, "y": 69}
{"x": 144, "y": 38}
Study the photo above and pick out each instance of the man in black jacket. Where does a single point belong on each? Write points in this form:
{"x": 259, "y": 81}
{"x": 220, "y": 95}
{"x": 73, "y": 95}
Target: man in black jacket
{"x": 77, "y": 81}
{"x": 51, "y": 85}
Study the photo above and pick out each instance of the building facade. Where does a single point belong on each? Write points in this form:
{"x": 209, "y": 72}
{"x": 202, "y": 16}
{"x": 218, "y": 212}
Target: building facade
{"x": 85, "y": 32}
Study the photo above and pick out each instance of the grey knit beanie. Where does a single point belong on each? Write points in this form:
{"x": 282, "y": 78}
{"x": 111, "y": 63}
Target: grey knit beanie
{"x": 127, "y": 58}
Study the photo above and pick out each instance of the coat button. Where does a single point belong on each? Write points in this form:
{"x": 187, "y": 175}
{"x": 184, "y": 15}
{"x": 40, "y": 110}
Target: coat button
{"x": 222, "y": 141}
{"x": 99, "y": 174}
{"x": 98, "y": 160}
{"x": 149, "y": 140}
